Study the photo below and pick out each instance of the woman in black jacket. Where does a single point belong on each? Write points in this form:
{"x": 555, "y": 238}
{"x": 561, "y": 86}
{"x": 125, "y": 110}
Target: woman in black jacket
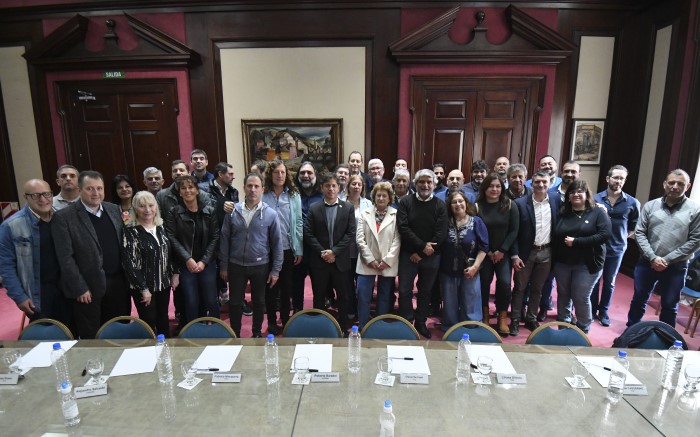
{"x": 194, "y": 234}
{"x": 578, "y": 252}
{"x": 146, "y": 261}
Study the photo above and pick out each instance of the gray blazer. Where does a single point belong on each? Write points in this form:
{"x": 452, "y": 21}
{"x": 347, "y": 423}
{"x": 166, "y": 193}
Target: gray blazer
{"x": 78, "y": 250}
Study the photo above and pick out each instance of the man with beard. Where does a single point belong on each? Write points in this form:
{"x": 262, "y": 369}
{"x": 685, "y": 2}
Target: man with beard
{"x": 153, "y": 180}
{"x": 439, "y": 170}
{"x": 569, "y": 173}
{"x": 516, "y": 175}
{"x": 342, "y": 173}
{"x": 479, "y": 171}
{"x": 310, "y": 193}
{"x": 623, "y": 211}
{"x": 501, "y": 168}
{"x": 67, "y": 181}
{"x": 376, "y": 175}
{"x": 455, "y": 182}
{"x": 199, "y": 162}
{"x": 548, "y": 164}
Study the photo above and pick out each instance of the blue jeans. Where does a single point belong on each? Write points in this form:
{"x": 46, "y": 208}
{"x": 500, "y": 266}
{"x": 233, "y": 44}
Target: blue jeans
{"x": 365, "y": 288}
{"x": 574, "y": 283}
{"x": 427, "y": 271}
{"x": 200, "y": 293}
{"x": 668, "y": 286}
{"x": 461, "y": 299}
{"x": 610, "y": 269}
{"x": 503, "y": 273}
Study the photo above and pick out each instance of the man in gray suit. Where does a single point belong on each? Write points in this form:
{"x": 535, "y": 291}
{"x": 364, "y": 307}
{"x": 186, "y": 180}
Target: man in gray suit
{"x": 87, "y": 235}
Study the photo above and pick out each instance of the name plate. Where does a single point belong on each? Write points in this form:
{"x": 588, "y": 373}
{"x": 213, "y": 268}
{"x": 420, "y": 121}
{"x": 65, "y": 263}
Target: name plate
{"x": 512, "y": 378}
{"x": 414, "y": 378}
{"x": 9, "y": 379}
{"x": 478, "y": 378}
{"x": 325, "y": 377}
{"x": 90, "y": 391}
{"x": 635, "y": 390}
{"x": 225, "y": 377}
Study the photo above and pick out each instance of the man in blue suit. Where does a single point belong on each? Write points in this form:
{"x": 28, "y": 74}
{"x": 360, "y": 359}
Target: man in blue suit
{"x": 532, "y": 253}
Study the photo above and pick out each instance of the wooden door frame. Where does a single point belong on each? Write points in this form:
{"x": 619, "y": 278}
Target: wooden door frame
{"x": 420, "y": 85}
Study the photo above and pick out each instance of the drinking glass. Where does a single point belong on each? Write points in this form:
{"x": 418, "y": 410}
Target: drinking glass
{"x": 12, "y": 359}
{"x": 384, "y": 364}
{"x": 692, "y": 377}
{"x": 484, "y": 364}
{"x": 188, "y": 371}
{"x": 580, "y": 373}
{"x": 301, "y": 368}
{"x": 95, "y": 367}
{"x": 311, "y": 340}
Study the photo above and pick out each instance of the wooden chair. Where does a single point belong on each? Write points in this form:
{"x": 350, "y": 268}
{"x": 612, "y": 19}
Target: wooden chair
{"x": 390, "y": 327}
{"x": 207, "y": 327}
{"x": 570, "y": 335}
{"x": 478, "y": 332}
{"x": 125, "y": 328}
{"x": 46, "y": 329}
{"x": 312, "y": 323}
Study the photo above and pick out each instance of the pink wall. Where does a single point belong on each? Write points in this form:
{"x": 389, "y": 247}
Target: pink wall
{"x": 461, "y": 32}
{"x": 172, "y": 24}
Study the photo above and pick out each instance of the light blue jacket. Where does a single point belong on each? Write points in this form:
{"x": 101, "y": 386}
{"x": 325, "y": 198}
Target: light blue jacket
{"x": 296, "y": 223}
{"x": 19, "y": 257}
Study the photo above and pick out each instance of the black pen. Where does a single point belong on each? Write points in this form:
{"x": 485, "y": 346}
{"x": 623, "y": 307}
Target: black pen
{"x": 401, "y": 358}
{"x": 597, "y": 365}
{"x": 473, "y": 366}
{"x": 210, "y": 369}
{"x": 313, "y": 370}
{"x": 84, "y": 372}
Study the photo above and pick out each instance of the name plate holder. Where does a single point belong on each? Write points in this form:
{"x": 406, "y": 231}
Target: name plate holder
{"x": 511, "y": 378}
{"x": 90, "y": 391}
{"x": 325, "y": 377}
{"x": 413, "y": 378}
{"x": 9, "y": 379}
{"x": 635, "y": 390}
{"x": 223, "y": 377}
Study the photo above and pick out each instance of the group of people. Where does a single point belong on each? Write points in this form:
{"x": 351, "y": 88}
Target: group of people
{"x": 78, "y": 259}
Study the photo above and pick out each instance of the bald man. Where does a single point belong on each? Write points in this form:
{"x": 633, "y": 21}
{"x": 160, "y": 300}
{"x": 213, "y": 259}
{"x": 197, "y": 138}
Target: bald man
{"x": 28, "y": 262}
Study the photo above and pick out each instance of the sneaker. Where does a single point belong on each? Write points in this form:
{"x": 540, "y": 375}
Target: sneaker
{"x": 247, "y": 310}
{"x": 542, "y": 315}
{"x": 223, "y": 297}
{"x": 604, "y": 319}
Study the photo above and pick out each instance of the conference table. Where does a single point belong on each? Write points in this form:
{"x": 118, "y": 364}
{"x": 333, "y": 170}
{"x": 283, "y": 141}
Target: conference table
{"x": 546, "y": 405}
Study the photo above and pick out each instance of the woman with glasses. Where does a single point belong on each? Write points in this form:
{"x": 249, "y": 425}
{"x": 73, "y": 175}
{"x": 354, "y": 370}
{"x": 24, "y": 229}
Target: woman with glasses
{"x": 578, "y": 248}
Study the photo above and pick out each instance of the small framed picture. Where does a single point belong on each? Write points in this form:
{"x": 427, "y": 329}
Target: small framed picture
{"x": 587, "y": 140}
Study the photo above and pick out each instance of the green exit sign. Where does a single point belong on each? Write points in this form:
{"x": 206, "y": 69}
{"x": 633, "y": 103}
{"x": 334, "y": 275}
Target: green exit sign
{"x": 113, "y": 75}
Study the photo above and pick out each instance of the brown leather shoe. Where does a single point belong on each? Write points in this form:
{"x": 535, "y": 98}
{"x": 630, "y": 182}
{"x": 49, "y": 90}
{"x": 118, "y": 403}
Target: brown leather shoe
{"x": 503, "y": 328}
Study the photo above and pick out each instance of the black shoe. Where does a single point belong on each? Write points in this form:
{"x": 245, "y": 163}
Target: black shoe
{"x": 257, "y": 335}
{"x": 327, "y": 303}
{"x": 604, "y": 319}
{"x": 595, "y": 315}
{"x": 423, "y": 330}
{"x": 247, "y": 310}
{"x": 514, "y": 327}
{"x": 272, "y": 329}
{"x": 531, "y": 325}
{"x": 435, "y": 311}
{"x": 542, "y": 315}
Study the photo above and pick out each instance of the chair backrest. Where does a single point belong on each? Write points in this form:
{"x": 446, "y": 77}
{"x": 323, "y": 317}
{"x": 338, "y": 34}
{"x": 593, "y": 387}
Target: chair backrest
{"x": 390, "y": 327}
{"x": 478, "y": 332}
{"x": 46, "y": 329}
{"x": 649, "y": 334}
{"x": 125, "y": 327}
{"x": 312, "y": 323}
{"x": 552, "y": 334}
{"x": 207, "y": 327}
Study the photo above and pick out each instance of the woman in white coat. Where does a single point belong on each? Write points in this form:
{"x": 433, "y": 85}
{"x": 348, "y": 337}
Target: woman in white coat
{"x": 378, "y": 243}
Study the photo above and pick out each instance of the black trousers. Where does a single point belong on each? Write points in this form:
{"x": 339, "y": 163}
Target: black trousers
{"x": 283, "y": 290}
{"x": 238, "y": 277}
{"x": 325, "y": 277}
{"x": 156, "y": 313}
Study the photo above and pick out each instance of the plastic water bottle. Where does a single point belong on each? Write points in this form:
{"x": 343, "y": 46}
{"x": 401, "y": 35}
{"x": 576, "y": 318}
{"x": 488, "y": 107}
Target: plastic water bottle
{"x": 60, "y": 365}
{"x": 164, "y": 362}
{"x": 354, "y": 344}
{"x": 672, "y": 369}
{"x": 616, "y": 384}
{"x": 463, "y": 359}
{"x": 71, "y": 415}
{"x": 272, "y": 362}
{"x": 387, "y": 420}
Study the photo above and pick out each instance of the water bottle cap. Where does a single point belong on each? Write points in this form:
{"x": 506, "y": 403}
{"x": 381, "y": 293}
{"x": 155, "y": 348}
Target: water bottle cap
{"x": 56, "y": 346}
{"x": 622, "y": 354}
{"x": 387, "y": 404}
{"x": 65, "y": 387}
{"x": 465, "y": 336}
{"x": 270, "y": 337}
{"x": 678, "y": 343}
{"x": 354, "y": 328}
{"x": 160, "y": 337}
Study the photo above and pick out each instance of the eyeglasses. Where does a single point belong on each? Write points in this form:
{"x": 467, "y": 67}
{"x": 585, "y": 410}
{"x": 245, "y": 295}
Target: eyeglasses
{"x": 35, "y": 196}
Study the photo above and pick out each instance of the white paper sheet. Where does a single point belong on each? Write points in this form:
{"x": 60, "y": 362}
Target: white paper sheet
{"x": 501, "y": 363}
{"x": 689, "y": 357}
{"x": 320, "y": 356}
{"x": 217, "y": 357}
{"x": 136, "y": 360}
{"x": 40, "y": 355}
{"x": 596, "y": 364}
{"x": 419, "y": 364}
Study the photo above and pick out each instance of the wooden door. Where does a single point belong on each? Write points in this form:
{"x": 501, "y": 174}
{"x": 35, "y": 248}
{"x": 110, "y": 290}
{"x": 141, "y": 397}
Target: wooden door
{"x": 459, "y": 120}
{"x": 120, "y": 127}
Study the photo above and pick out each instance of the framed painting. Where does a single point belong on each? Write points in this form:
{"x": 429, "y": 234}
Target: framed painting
{"x": 587, "y": 140}
{"x": 294, "y": 141}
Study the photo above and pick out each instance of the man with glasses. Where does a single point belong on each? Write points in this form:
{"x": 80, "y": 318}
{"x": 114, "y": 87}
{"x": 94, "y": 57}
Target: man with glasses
{"x": 199, "y": 162}
{"x": 422, "y": 221}
{"x": 623, "y": 211}
{"x": 67, "y": 181}
{"x": 668, "y": 235}
{"x": 376, "y": 175}
{"x": 28, "y": 262}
